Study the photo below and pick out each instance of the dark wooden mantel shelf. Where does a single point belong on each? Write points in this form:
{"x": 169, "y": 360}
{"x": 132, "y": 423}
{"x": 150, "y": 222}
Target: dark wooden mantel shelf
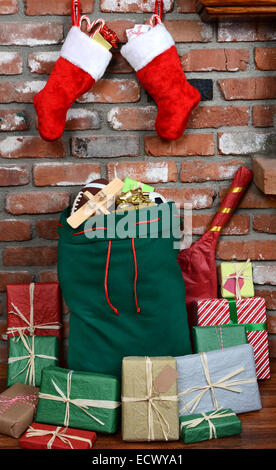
{"x": 258, "y": 428}
{"x": 211, "y": 10}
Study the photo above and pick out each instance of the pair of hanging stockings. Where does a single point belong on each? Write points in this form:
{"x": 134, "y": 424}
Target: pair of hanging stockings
{"x": 83, "y": 61}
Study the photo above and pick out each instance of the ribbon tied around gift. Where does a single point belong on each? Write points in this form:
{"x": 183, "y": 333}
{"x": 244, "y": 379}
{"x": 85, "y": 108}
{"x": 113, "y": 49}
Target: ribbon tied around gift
{"x": 81, "y": 403}
{"x": 237, "y": 276}
{"x": 30, "y": 366}
{"x": 219, "y": 413}
{"x": 224, "y": 383}
{"x": 6, "y": 401}
{"x": 58, "y": 433}
{"x": 31, "y": 327}
{"x": 151, "y": 398}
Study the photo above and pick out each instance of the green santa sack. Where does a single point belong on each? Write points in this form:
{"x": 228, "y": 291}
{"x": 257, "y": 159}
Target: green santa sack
{"x": 124, "y": 288}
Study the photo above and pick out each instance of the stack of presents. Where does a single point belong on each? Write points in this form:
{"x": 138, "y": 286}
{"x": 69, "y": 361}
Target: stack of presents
{"x": 133, "y": 361}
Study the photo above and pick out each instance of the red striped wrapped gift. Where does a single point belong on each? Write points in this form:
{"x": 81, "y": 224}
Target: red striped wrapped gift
{"x": 250, "y": 312}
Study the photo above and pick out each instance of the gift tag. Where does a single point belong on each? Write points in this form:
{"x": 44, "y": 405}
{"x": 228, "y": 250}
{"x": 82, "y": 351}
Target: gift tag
{"x": 165, "y": 379}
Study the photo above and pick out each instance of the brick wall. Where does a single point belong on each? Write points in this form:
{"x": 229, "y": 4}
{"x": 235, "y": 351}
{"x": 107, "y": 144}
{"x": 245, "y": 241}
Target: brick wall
{"x": 111, "y": 130}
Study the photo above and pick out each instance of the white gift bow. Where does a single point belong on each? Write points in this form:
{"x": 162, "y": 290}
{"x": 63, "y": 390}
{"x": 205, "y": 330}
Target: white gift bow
{"x": 81, "y": 403}
{"x": 224, "y": 383}
{"x": 30, "y": 366}
{"x": 32, "y": 432}
{"x": 150, "y": 398}
{"x": 193, "y": 423}
{"x": 31, "y": 327}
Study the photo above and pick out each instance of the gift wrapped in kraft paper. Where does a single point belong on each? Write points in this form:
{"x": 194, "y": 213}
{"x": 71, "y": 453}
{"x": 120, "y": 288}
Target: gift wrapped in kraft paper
{"x": 17, "y": 409}
{"x": 149, "y": 399}
{"x": 218, "y": 379}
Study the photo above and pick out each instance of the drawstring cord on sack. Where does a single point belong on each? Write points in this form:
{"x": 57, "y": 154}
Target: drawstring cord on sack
{"x": 135, "y": 277}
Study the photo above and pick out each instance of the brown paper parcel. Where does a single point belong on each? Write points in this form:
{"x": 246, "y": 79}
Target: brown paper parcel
{"x": 17, "y": 409}
{"x": 148, "y": 414}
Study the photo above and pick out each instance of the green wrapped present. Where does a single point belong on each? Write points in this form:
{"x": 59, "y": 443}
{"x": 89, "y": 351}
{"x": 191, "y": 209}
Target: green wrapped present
{"x": 236, "y": 280}
{"x": 210, "y": 338}
{"x": 83, "y": 400}
{"x": 28, "y": 356}
{"x": 211, "y": 425}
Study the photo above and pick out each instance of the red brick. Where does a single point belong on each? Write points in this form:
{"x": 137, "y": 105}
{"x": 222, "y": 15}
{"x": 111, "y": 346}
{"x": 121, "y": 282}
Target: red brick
{"x": 112, "y": 91}
{"x": 253, "y": 88}
{"x": 202, "y": 60}
{"x": 31, "y": 147}
{"x": 81, "y": 119}
{"x": 17, "y": 277}
{"x": 271, "y": 323}
{"x": 30, "y": 256}
{"x": 20, "y": 92}
{"x": 14, "y": 175}
{"x": 132, "y": 118}
{"x": 264, "y": 170}
{"x": 186, "y": 6}
{"x": 119, "y": 64}
{"x": 10, "y": 63}
{"x": 265, "y": 223}
{"x": 15, "y": 230}
{"x": 134, "y": 6}
{"x": 102, "y": 146}
{"x": 199, "y": 198}
{"x": 148, "y": 172}
{"x": 246, "y": 143}
{"x": 270, "y": 297}
{"x": 237, "y": 225}
{"x": 31, "y": 34}
{"x": 197, "y": 170}
{"x": 242, "y": 250}
{"x": 231, "y": 31}
{"x": 42, "y": 62}
{"x": 254, "y": 199}
{"x": 119, "y": 27}
{"x": 35, "y": 202}
{"x": 189, "y": 30}
{"x": 265, "y": 58}
{"x": 13, "y": 120}
{"x": 54, "y": 7}
{"x": 264, "y": 274}
{"x": 65, "y": 174}
{"x": 217, "y": 116}
{"x": 263, "y": 115}
{"x": 8, "y": 7}
{"x": 47, "y": 228}
{"x": 187, "y": 145}
{"x": 48, "y": 276}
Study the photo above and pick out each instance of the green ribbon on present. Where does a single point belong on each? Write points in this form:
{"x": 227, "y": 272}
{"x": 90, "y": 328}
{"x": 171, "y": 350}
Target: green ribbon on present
{"x": 248, "y": 326}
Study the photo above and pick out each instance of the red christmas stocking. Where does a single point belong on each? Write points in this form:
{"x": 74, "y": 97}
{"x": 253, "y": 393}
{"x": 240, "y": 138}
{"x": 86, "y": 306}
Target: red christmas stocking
{"x": 154, "y": 57}
{"x": 82, "y": 62}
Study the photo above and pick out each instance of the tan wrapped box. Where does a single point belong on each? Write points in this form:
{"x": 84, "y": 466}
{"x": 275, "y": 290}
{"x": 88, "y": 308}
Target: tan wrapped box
{"x": 17, "y": 409}
{"x": 149, "y": 399}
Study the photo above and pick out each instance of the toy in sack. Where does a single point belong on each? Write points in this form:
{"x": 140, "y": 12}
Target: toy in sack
{"x": 83, "y": 61}
{"x": 197, "y": 262}
{"x": 120, "y": 278}
{"x": 151, "y": 51}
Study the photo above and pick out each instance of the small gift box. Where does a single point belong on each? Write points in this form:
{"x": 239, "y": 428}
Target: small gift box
{"x": 236, "y": 280}
{"x": 218, "y": 379}
{"x": 29, "y": 355}
{"x": 45, "y": 436}
{"x": 83, "y": 400}
{"x": 211, "y": 425}
{"x": 249, "y": 312}
{"x": 209, "y": 338}
{"x": 17, "y": 409}
{"x": 149, "y": 399}
{"x": 34, "y": 309}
